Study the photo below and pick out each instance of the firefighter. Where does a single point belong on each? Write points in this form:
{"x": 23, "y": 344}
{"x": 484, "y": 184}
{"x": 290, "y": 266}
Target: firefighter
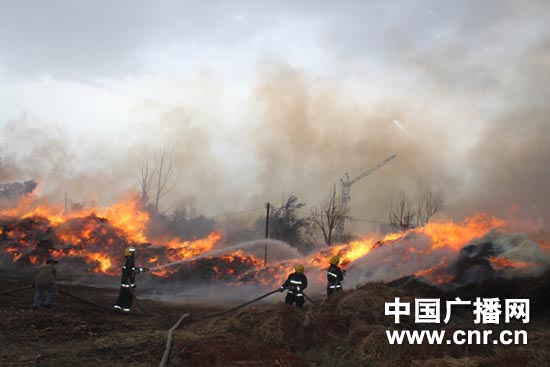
{"x": 44, "y": 281}
{"x": 295, "y": 283}
{"x": 127, "y": 283}
{"x": 335, "y": 275}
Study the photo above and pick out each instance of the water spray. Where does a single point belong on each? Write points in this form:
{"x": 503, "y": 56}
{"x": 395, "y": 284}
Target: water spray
{"x": 225, "y": 251}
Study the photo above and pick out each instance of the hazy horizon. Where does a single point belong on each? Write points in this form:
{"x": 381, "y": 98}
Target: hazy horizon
{"x": 263, "y": 100}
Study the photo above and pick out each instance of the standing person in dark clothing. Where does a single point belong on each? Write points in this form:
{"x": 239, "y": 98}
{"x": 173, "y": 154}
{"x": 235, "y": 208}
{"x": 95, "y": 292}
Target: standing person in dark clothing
{"x": 44, "y": 281}
{"x": 335, "y": 275}
{"x": 295, "y": 283}
{"x": 128, "y": 283}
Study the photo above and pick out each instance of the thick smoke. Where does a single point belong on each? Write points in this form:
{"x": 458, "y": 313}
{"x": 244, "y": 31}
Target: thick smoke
{"x": 310, "y": 136}
{"x": 497, "y": 255}
{"x": 61, "y": 164}
{"x": 471, "y": 120}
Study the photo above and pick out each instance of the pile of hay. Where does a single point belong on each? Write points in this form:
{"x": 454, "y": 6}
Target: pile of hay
{"x": 349, "y": 329}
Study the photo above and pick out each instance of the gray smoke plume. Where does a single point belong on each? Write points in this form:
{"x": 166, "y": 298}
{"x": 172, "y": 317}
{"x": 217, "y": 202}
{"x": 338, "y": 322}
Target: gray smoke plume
{"x": 463, "y": 102}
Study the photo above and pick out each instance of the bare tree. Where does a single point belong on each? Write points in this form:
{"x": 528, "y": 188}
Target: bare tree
{"x": 185, "y": 221}
{"x": 146, "y": 179}
{"x": 157, "y": 178}
{"x": 402, "y": 215}
{"x": 328, "y": 215}
{"x": 164, "y": 169}
{"x": 429, "y": 204}
{"x": 401, "y": 212}
{"x": 187, "y": 207}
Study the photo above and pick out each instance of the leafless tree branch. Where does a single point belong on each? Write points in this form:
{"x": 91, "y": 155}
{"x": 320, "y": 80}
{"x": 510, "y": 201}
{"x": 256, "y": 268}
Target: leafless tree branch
{"x": 157, "y": 177}
{"x": 429, "y": 204}
{"x": 402, "y": 216}
{"x": 401, "y": 213}
{"x": 146, "y": 178}
{"x": 327, "y": 216}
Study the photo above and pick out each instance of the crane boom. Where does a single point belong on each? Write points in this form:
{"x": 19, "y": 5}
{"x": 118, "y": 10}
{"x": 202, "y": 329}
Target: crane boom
{"x": 372, "y": 169}
{"x": 346, "y": 197}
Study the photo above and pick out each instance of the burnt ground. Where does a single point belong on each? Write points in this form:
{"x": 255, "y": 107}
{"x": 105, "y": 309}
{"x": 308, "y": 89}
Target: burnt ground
{"x": 73, "y": 333}
{"x": 346, "y": 330}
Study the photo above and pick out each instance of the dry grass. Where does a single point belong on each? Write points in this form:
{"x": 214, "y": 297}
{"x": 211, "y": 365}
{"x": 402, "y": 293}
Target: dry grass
{"x": 231, "y": 350}
{"x": 280, "y": 324}
{"x": 349, "y": 329}
{"x": 364, "y": 305}
{"x": 374, "y": 347}
{"x": 448, "y": 362}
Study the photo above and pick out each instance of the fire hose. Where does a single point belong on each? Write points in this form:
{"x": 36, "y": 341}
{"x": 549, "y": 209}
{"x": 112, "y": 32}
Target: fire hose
{"x": 141, "y": 306}
{"x": 166, "y": 353}
{"x": 84, "y": 301}
{"x": 16, "y": 290}
{"x": 309, "y": 299}
{"x": 247, "y": 303}
{"x": 144, "y": 310}
{"x": 239, "y": 306}
{"x": 61, "y": 292}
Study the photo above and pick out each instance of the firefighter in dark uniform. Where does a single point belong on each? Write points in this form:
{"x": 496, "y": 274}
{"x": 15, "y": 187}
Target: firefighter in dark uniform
{"x": 295, "y": 283}
{"x": 128, "y": 283}
{"x": 335, "y": 275}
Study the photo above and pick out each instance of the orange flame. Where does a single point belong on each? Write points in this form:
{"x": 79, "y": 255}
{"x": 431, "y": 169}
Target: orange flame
{"x": 27, "y": 207}
{"x": 499, "y": 263}
{"x": 103, "y": 260}
{"x": 456, "y": 235}
{"x": 95, "y": 241}
{"x": 126, "y": 216}
{"x": 186, "y": 249}
{"x": 129, "y": 218}
{"x": 436, "y": 274}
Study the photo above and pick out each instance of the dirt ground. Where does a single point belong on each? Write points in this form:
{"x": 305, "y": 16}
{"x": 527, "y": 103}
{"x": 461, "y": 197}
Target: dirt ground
{"x": 73, "y": 333}
{"x": 346, "y": 330}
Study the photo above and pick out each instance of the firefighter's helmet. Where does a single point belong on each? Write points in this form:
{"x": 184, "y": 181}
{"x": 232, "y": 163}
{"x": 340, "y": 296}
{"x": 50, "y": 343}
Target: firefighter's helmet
{"x": 335, "y": 260}
{"x": 299, "y": 268}
{"x": 129, "y": 251}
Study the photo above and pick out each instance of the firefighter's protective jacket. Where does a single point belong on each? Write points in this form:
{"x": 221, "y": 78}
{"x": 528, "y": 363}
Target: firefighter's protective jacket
{"x": 129, "y": 272}
{"x": 334, "y": 277}
{"x": 296, "y": 283}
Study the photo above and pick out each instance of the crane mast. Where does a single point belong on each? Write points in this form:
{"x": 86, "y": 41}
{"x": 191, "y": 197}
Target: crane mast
{"x": 346, "y": 197}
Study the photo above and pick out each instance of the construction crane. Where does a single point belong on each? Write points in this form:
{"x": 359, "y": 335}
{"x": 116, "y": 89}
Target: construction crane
{"x": 346, "y": 185}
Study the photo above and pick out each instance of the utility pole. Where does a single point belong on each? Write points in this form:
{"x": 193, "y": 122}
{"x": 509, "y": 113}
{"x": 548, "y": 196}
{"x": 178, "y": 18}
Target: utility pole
{"x": 266, "y": 233}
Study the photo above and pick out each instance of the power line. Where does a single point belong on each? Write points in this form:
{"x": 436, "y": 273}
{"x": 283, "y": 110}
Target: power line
{"x": 235, "y": 213}
{"x": 364, "y": 220}
{"x": 300, "y": 212}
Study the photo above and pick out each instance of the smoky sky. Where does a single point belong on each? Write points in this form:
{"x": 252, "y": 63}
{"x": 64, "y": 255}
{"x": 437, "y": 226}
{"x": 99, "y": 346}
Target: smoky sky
{"x": 103, "y": 38}
{"x": 262, "y": 100}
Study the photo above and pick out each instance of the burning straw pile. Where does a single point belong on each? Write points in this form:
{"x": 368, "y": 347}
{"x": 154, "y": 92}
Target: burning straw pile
{"x": 91, "y": 247}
